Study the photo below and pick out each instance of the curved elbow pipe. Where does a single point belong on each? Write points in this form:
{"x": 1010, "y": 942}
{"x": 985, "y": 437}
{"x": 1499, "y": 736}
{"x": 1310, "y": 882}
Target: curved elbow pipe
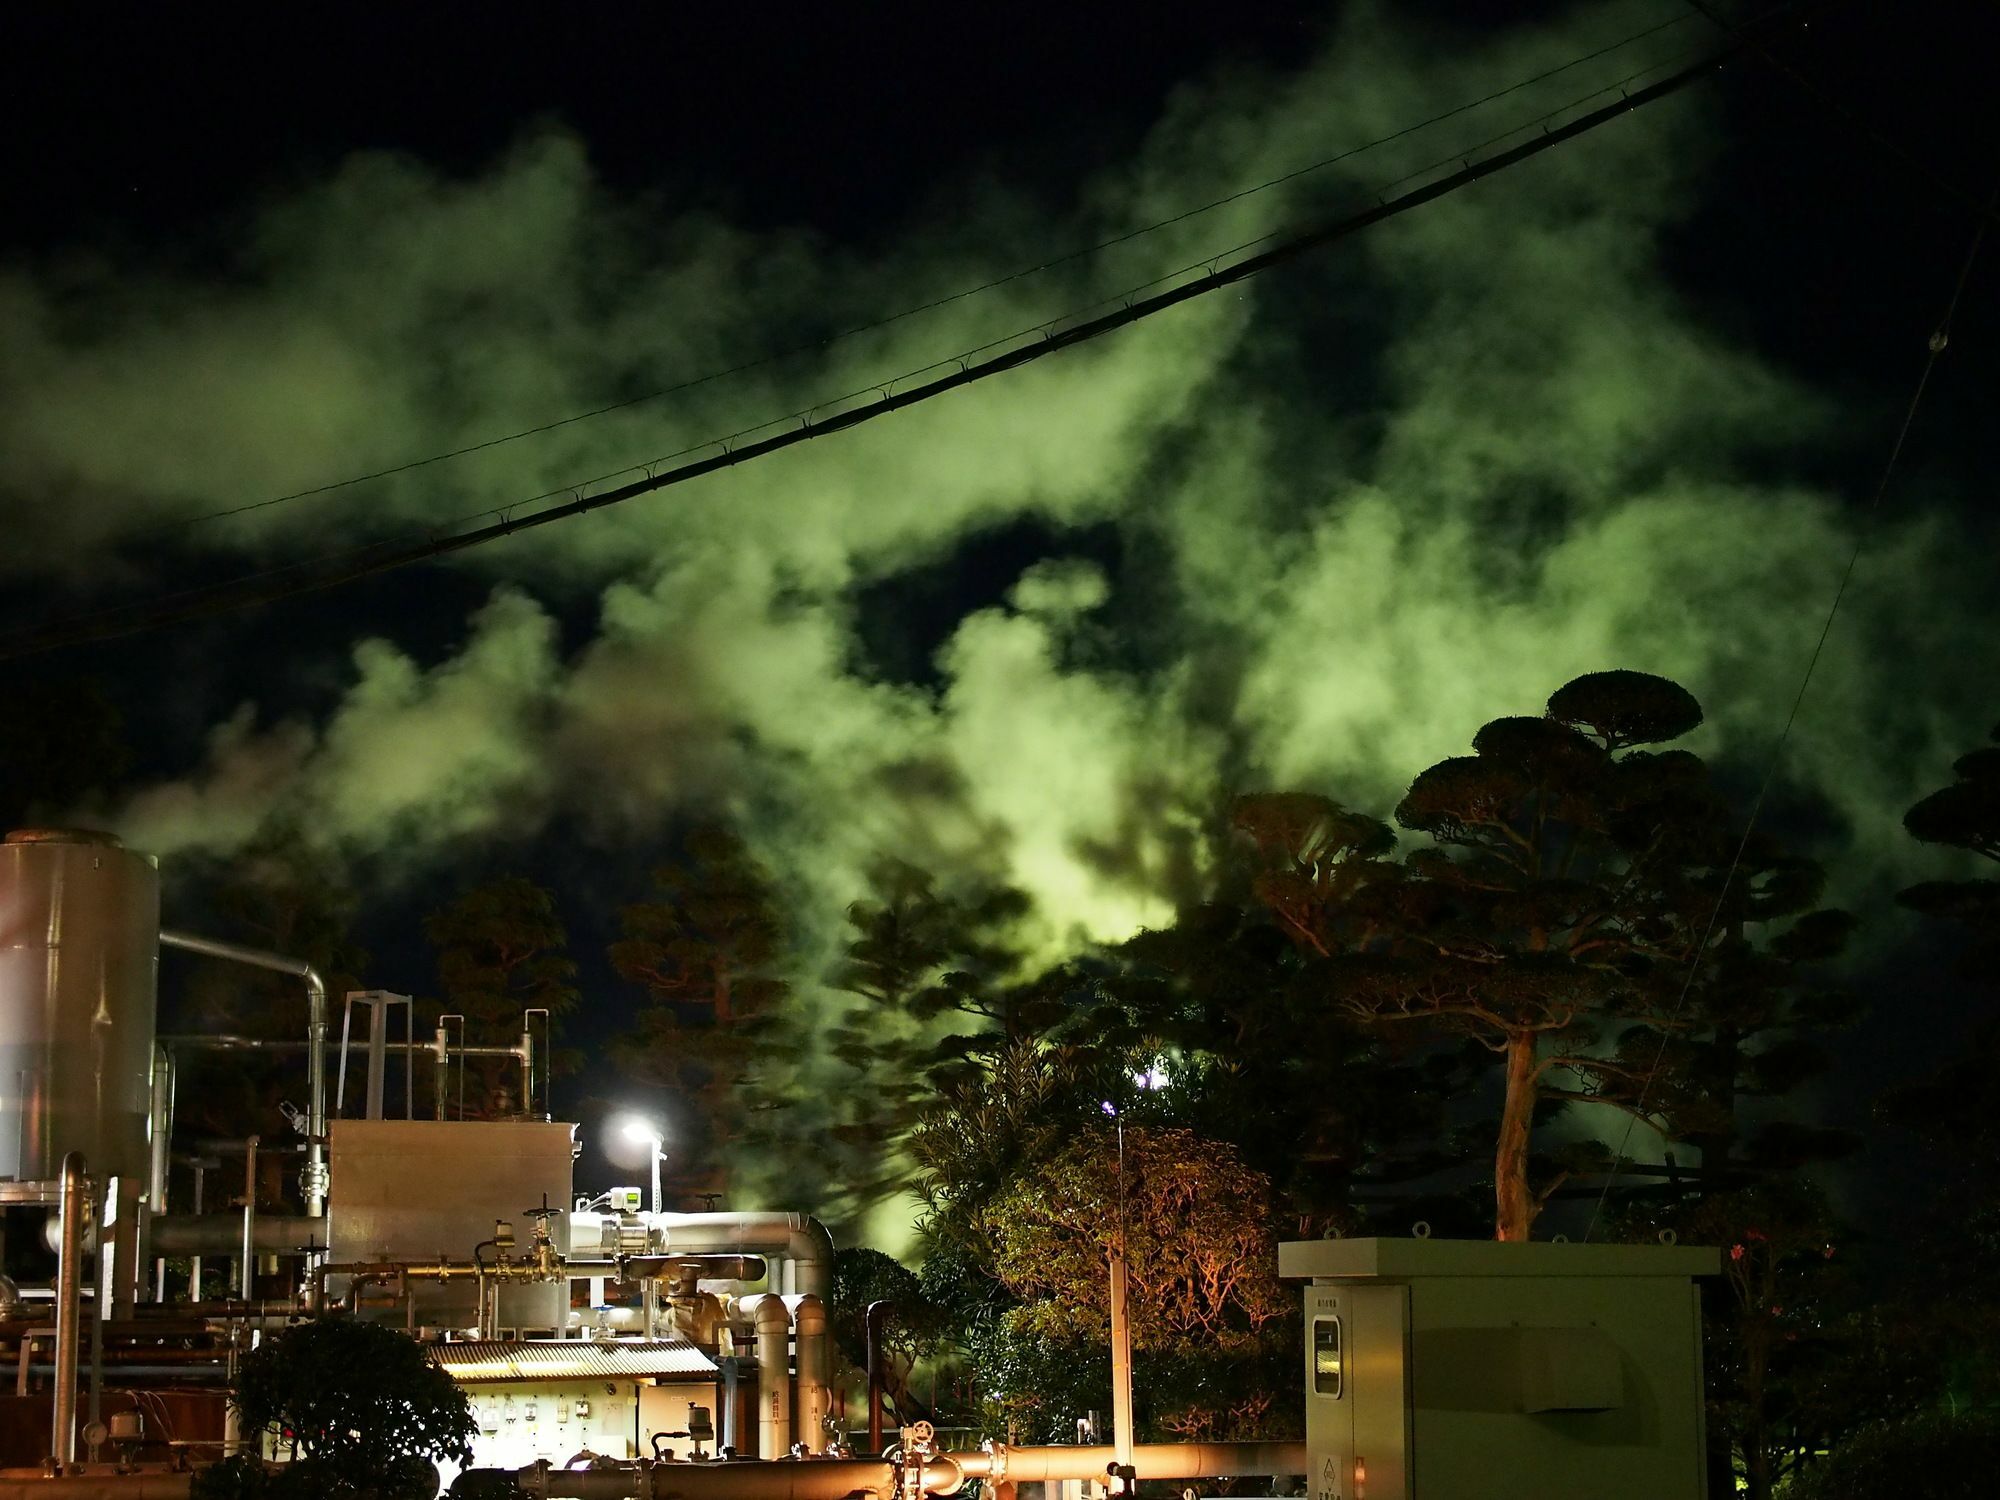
{"x": 313, "y": 1180}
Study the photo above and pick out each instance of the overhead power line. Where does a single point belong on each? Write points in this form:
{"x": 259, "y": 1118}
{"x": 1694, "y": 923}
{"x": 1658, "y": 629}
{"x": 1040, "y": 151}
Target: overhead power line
{"x": 319, "y": 574}
{"x": 1022, "y": 273}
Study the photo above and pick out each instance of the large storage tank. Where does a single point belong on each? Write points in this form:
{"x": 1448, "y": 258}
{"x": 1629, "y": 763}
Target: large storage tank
{"x": 79, "y": 961}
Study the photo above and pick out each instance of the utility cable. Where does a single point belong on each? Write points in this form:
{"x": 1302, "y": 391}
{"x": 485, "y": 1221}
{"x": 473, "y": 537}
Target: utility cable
{"x": 315, "y": 575}
{"x": 828, "y": 341}
{"x": 1940, "y": 339}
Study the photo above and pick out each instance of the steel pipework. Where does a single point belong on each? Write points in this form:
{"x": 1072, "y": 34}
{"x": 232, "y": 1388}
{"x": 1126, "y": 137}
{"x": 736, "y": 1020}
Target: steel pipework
{"x": 788, "y": 1479}
{"x": 16, "y": 1485}
{"x": 313, "y": 1179}
{"x": 773, "y": 1322}
{"x": 69, "y": 1310}
{"x": 815, "y": 1395}
{"x": 1005, "y": 1465}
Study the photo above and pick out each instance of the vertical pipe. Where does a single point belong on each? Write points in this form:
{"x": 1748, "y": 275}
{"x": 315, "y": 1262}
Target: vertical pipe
{"x": 528, "y": 1073}
{"x": 1121, "y": 1361}
{"x": 815, "y": 1399}
{"x": 378, "y": 1054}
{"x": 96, "y": 1408}
{"x": 873, "y": 1323}
{"x": 247, "y": 1274}
{"x": 194, "y": 1266}
{"x": 161, "y": 1124}
{"x": 773, "y": 1323}
{"x": 69, "y": 1295}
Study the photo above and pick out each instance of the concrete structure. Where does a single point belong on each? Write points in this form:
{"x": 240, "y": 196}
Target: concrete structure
{"x": 1444, "y": 1369}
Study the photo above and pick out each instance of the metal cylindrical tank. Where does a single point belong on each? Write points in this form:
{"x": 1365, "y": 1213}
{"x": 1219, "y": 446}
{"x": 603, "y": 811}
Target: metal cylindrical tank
{"x": 79, "y": 962}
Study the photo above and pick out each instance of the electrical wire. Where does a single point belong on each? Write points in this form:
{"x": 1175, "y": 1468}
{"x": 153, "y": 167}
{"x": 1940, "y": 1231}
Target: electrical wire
{"x": 827, "y": 342}
{"x": 1019, "y": 348}
{"x": 1940, "y": 339}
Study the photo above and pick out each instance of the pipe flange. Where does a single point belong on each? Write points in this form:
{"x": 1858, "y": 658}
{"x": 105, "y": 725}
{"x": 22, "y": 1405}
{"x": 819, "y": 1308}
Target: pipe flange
{"x": 996, "y": 1457}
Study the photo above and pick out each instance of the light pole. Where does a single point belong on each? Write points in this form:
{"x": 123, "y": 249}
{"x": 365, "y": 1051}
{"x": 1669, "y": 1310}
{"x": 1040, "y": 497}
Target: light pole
{"x": 643, "y": 1132}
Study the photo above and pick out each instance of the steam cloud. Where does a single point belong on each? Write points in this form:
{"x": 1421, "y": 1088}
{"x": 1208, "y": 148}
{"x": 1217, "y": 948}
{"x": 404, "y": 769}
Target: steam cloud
{"x": 1361, "y": 507}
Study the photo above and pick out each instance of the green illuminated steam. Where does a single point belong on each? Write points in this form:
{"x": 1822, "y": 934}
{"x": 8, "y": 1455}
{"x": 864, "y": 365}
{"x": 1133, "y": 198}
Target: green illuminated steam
{"x": 1365, "y": 506}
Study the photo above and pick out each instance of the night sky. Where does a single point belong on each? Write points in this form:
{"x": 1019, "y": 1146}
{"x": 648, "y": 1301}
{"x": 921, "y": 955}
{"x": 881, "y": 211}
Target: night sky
{"x": 1623, "y": 406}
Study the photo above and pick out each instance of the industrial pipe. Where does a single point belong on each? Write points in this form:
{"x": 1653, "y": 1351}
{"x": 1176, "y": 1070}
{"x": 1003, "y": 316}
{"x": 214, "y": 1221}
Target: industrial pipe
{"x": 773, "y": 1322}
{"x": 799, "y": 1239}
{"x": 69, "y": 1311}
{"x": 247, "y": 1270}
{"x": 312, "y": 1181}
{"x": 815, "y": 1394}
{"x": 1006, "y": 1465}
{"x": 873, "y": 1324}
{"x": 160, "y": 1122}
{"x": 1121, "y": 1354}
{"x": 944, "y": 1475}
{"x": 15, "y": 1484}
{"x": 222, "y": 1234}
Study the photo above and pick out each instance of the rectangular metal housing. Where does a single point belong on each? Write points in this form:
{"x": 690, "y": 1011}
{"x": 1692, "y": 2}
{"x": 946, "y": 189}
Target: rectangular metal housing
{"x": 1507, "y": 1371}
{"x": 428, "y": 1190}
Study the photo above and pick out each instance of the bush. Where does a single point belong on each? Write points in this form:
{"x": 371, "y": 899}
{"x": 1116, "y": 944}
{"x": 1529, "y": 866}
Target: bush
{"x": 1939, "y": 1457}
{"x": 362, "y": 1406}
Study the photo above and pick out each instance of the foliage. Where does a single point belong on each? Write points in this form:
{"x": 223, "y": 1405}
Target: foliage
{"x": 1964, "y": 815}
{"x": 364, "y": 1408}
{"x": 1561, "y": 920}
{"x": 501, "y": 950}
{"x": 912, "y": 1331}
{"x": 928, "y": 975}
{"x": 707, "y": 950}
{"x": 1940, "y": 1456}
{"x": 1776, "y": 1321}
{"x": 1194, "y": 1224}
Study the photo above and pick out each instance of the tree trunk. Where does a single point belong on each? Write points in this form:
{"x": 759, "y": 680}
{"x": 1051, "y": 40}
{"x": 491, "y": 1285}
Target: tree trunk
{"x": 1514, "y": 1206}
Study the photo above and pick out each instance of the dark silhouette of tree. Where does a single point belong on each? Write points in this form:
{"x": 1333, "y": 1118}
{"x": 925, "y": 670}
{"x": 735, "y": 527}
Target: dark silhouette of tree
{"x": 707, "y": 950}
{"x": 1543, "y": 916}
{"x": 912, "y": 1332}
{"x": 1955, "y": 1110}
{"x": 501, "y": 950}
{"x": 362, "y": 1407}
{"x": 1749, "y": 1016}
{"x": 1965, "y": 815}
{"x": 930, "y": 976}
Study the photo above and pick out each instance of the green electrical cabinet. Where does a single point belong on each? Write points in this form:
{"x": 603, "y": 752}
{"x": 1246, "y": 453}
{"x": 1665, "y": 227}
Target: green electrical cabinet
{"x": 1473, "y": 1370}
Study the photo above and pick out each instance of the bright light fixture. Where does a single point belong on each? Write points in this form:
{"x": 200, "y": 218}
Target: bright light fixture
{"x": 640, "y": 1131}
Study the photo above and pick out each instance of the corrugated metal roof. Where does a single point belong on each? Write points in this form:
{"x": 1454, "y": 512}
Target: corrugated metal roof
{"x": 569, "y": 1359}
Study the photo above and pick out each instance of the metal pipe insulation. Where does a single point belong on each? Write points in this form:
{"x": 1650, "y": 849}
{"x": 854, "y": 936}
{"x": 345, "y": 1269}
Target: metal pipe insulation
{"x": 944, "y": 1475}
{"x": 797, "y": 1238}
{"x": 809, "y": 1479}
{"x": 222, "y": 1234}
{"x": 312, "y": 1180}
{"x": 18, "y": 1484}
{"x": 815, "y": 1393}
{"x": 69, "y": 1310}
{"x": 773, "y": 1322}
{"x": 1005, "y": 1465}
